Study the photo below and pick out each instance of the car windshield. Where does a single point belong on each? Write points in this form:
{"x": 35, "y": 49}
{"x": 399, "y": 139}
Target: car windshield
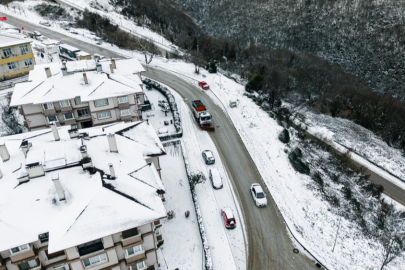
{"x": 206, "y": 118}
{"x": 231, "y": 220}
{"x": 260, "y": 195}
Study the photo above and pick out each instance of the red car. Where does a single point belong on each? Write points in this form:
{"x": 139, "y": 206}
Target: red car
{"x": 229, "y": 218}
{"x": 204, "y": 85}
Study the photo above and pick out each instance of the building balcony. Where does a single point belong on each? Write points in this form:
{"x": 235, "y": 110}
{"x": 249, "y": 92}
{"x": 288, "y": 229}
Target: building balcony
{"x": 124, "y": 105}
{"x": 22, "y": 255}
{"x": 126, "y": 117}
{"x": 70, "y": 121}
{"x": 55, "y": 257}
{"x": 66, "y": 109}
{"x": 139, "y": 266}
{"x": 49, "y": 112}
{"x": 136, "y": 257}
{"x": 136, "y": 239}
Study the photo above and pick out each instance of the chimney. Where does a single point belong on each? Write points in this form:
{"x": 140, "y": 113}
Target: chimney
{"x": 64, "y": 68}
{"x": 99, "y": 67}
{"x": 23, "y": 177}
{"x": 85, "y": 78}
{"x": 55, "y": 132}
{"x": 25, "y": 146}
{"x": 112, "y": 142}
{"x": 48, "y": 72}
{"x": 83, "y": 150}
{"x": 73, "y": 133}
{"x": 4, "y": 152}
{"x": 112, "y": 171}
{"x": 58, "y": 187}
{"x": 111, "y": 68}
{"x": 86, "y": 163}
{"x": 35, "y": 170}
{"x": 113, "y": 63}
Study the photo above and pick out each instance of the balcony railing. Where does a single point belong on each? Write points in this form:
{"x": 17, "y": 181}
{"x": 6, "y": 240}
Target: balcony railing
{"x": 90, "y": 249}
{"x": 132, "y": 240}
{"x": 140, "y": 255}
{"x": 27, "y": 253}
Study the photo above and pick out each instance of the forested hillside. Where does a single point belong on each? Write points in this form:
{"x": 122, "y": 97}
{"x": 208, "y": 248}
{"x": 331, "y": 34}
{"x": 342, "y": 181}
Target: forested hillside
{"x": 365, "y": 37}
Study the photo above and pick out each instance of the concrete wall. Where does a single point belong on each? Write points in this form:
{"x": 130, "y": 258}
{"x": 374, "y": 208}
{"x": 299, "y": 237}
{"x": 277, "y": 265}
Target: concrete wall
{"x": 31, "y": 108}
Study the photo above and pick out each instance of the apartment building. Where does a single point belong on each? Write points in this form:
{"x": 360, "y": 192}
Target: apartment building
{"x": 16, "y": 54}
{"x": 83, "y": 93}
{"x": 79, "y": 199}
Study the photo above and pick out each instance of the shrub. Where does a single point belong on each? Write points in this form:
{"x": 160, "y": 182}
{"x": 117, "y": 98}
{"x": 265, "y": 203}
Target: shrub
{"x": 347, "y": 192}
{"x": 284, "y": 136}
{"x": 335, "y": 177}
{"x": 255, "y": 83}
{"x": 374, "y": 190}
{"x": 318, "y": 179}
{"x": 212, "y": 67}
{"x": 334, "y": 201}
{"x": 298, "y": 164}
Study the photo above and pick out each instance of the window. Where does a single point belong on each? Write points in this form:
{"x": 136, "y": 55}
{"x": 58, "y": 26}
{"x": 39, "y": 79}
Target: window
{"x": 138, "y": 266}
{"x": 11, "y": 65}
{"x": 43, "y": 237}
{"x": 78, "y": 100}
{"x": 24, "y": 49}
{"x": 64, "y": 103}
{"x": 133, "y": 250}
{"x": 7, "y": 52}
{"x": 130, "y": 233}
{"x": 74, "y": 127}
{"x": 68, "y": 116}
{"x": 123, "y": 99}
{"x": 83, "y": 112}
{"x": 62, "y": 267}
{"x": 28, "y": 265}
{"x": 138, "y": 101}
{"x": 95, "y": 260}
{"x": 103, "y": 115}
{"x": 19, "y": 248}
{"x": 101, "y": 102}
{"x": 90, "y": 247}
{"x": 28, "y": 62}
{"x": 47, "y": 106}
{"x": 52, "y": 119}
{"x": 125, "y": 112}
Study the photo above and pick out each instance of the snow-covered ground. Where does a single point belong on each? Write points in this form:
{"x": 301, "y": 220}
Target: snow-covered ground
{"x": 308, "y": 215}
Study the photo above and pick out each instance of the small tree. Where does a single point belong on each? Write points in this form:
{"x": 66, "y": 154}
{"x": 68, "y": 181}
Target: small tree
{"x": 284, "y": 136}
{"x": 149, "y": 50}
{"x": 195, "y": 179}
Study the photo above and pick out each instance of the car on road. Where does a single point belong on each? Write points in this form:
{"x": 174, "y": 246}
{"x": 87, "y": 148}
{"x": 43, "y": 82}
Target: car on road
{"x": 36, "y": 33}
{"x": 45, "y": 23}
{"x": 228, "y": 218}
{"x": 258, "y": 195}
{"x": 208, "y": 157}
{"x": 215, "y": 178}
{"x": 203, "y": 85}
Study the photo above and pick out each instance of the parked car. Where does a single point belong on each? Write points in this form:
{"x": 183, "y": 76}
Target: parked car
{"x": 208, "y": 157}
{"x": 204, "y": 85}
{"x": 229, "y": 218}
{"x": 36, "y": 33}
{"x": 258, "y": 195}
{"x": 215, "y": 178}
{"x": 45, "y": 23}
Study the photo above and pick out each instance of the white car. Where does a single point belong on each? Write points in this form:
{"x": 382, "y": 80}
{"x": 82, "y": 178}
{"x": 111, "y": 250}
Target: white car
{"x": 45, "y": 23}
{"x": 258, "y": 195}
{"x": 215, "y": 178}
{"x": 208, "y": 157}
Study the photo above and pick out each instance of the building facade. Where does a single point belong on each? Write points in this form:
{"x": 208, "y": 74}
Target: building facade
{"x": 82, "y": 93}
{"x": 17, "y": 58}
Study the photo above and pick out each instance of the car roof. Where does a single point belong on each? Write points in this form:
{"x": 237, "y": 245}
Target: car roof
{"x": 228, "y": 212}
{"x": 202, "y": 82}
{"x": 214, "y": 172}
{"x": 258, "y": 188}
{"x": 208, "y": 153}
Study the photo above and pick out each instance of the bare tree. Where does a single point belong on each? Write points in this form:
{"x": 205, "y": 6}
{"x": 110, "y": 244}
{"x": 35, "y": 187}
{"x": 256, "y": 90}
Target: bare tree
{"x": 390, "y": 232}
{"x": 197, "y": 59}
{"x": 149, "y": 49}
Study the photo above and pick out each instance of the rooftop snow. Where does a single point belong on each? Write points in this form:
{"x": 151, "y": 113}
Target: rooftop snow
{"x": 8, "y": 40}
{"x": 94, "y": 207}
{"x": 58, "y": 87}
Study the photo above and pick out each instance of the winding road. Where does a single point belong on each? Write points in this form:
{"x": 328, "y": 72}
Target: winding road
{"x": 270, "y": 247}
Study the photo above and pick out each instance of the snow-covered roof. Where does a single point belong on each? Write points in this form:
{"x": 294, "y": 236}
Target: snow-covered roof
{"x": 8, "y": 40}
{"x": 94, "y": 207}
{"x": 68, "y": 47}
{"x": 41, "y": 89}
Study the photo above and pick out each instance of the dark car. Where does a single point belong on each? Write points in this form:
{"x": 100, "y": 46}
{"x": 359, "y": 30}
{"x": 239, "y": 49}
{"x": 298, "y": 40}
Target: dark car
{"x": 208, "y": 157}
{"x": 229, "y": 218}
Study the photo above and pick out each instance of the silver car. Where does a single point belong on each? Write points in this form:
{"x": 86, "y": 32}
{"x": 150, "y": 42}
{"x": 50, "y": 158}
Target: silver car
{"x": 208, "y": 157}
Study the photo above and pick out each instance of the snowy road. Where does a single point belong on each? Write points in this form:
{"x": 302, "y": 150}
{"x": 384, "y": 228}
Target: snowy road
{"x": 269, "y": 244}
